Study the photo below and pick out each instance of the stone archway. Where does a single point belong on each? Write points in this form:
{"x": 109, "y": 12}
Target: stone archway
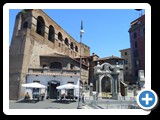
{"x": 105, "y": 73}
{"x": 105, "y": 85}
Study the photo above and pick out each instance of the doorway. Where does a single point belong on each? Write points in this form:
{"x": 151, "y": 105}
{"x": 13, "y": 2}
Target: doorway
{"x": 106, "y": 86}
{"x": 51, "y": 89}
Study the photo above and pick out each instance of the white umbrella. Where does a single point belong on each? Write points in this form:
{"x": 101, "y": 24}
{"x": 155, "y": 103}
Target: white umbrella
{"x": 68, "y": 86}
{"x": 34, "y": 85}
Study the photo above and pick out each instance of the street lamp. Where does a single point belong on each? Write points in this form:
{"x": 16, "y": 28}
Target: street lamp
{"x": 81, "y": 32}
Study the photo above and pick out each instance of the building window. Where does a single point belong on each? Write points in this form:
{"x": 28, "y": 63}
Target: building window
{"x": 135, "y": 44}
{"x": 135, "y": 35}
{"x": 125, "y": 62}
{"x": 76, "y": 49}
{"x": 136, "y": 73}
{"x": 72, "y": 45}
{"x": 126, "y": 68}
{"x": 40, "y": 26}
{"x": 60, "y": 36}
{"x": 51, "y": 34}
{"x": 66, "y": 41}
{"x": 72, "y": 67}
{"x": 141, "y": 32}
{"x": 56, "y": 65}
{"x": 136, "y": 63}
{"x": 125, "y": 53}
{"x": 139, "y": 22}
{"x": 135, "y": 53}
{"x": 25, "y": 24}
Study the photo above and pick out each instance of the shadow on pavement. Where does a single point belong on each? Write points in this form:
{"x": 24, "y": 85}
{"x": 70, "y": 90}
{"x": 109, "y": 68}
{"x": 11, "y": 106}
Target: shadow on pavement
{"x": 27, "y": 101}
{"x": 63, "y": 101}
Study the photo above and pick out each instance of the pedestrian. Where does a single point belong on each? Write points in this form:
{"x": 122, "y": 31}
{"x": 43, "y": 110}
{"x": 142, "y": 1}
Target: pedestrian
{"x": 27, "y": 96}
{"x": 83, "y": 95}
{"x": 42, "y": 96}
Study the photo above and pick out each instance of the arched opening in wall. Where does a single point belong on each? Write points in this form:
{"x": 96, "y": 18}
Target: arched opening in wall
{"x": 76, "y": 49}
{"x": 85, "y": 83}
{"x": 72, "y": 67}
{"x": 106, "y": 84}
{"x": 55, "y": 65}
{"x": 40, "y": 26}
{"x": 25, "y": 25}
{"x": 60, "y": 36}
{"x": 51, "y": 34}
{"x": 72, "y": 45}
{"x": 44, "y": 65}
{"x": 66, "y": 41}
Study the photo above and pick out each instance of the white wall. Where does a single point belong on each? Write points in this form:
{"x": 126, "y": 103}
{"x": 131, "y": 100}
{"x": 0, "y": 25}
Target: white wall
{"x": 44, "y": 79}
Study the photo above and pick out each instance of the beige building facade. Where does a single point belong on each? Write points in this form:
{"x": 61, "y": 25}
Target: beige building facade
{"x": 126, "y": 55}
{"x": 39, "y": 45}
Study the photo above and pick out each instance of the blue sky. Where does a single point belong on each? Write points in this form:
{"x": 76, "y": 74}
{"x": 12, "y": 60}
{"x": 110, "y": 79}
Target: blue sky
{"x": 106, "y": 30}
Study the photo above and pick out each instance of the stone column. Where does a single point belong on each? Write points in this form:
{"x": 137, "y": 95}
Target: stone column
{"x": 125, "y": 90}
{"x": 97, "y": 85}
{"x": 114, "y": 93}
{"x": 46, "y": 32}
{"x": 115, "y": 82}
{"x": 100, "y": 85}
{"x": 118, "y": 80}
{"x": 91, "y": 89}
{"x": 113, "y": 86}
{"x": 118, "y": 92}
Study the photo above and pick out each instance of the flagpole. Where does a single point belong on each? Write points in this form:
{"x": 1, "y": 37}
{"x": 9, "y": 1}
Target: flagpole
{"x": 81, "y": 32}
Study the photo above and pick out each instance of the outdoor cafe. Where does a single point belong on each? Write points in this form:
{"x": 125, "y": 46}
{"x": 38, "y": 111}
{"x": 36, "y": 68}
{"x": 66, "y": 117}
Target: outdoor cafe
{"x": 34, "y": 91}
{"x": 68, "y": 92}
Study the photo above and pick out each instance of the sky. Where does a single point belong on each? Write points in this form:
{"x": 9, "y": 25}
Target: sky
{"x": 105, "y": 30}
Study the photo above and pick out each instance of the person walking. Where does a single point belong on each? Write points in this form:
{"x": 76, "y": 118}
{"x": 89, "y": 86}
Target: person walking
{"x": 83, "y": 96}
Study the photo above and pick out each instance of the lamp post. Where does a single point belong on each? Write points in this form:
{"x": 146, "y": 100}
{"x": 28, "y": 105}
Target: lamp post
{"x": 81, "y": 32}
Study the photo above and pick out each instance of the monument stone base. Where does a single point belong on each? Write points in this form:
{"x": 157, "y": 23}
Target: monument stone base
{"x": 117, "y": 96}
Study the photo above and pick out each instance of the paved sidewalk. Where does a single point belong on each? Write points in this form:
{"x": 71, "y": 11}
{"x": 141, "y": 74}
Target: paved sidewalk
{"x": 87, "y": 107}
{"x": 46, "y": 104}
